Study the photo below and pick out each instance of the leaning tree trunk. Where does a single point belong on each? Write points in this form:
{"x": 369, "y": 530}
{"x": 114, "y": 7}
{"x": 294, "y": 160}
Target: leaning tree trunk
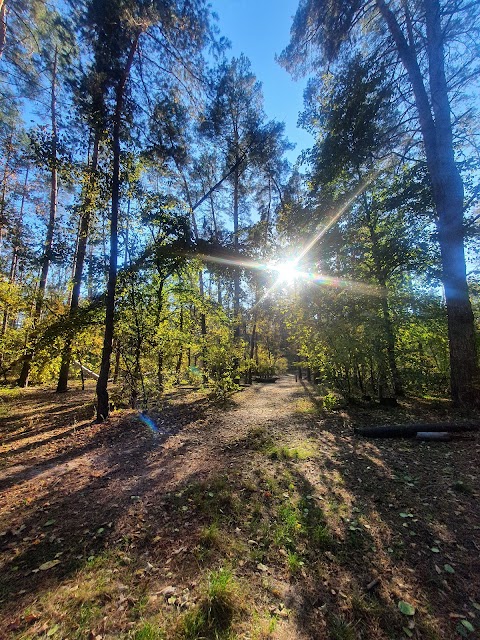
{"x": 85, "y": 219}
{"x": 102, "y": 382}
{"x": 47, "y": 249}
{"x": 447, "y": 192}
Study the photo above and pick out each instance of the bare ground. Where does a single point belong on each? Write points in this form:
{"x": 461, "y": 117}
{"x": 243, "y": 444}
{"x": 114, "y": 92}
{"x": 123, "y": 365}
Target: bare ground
{"x": 113, "y": 531}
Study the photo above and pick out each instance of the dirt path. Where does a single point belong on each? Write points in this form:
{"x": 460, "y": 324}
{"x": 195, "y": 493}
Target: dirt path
{"x": 281, "y": 494}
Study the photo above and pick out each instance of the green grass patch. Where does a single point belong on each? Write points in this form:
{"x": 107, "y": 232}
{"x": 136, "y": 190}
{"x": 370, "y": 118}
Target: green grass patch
{"x": 288, "y": 527}
{"x": 216, "y": 496}
{"x": 340, "y": 629}
{"x": 294, "y": 562}
{"x": 305, "y": 406}
{"x": 211, "y": 537}
{"x": 282, "y": 452}
{"x": 261, "y": 440}
{"x": 219, "y": 606}
{"x": 149, "y": 631}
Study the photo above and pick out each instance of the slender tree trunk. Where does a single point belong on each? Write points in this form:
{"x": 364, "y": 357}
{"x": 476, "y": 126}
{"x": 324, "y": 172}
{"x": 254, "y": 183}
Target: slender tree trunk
{"x": 178, "y": 367}
{"x": 116, "y": 370}
{"x": 160, "y": 371}
{"x": 252, "y": 348}
{"x": 390, "y": 342}
{"x": 102, "y": 382}
{"x": 90, "y": 271}
{"x": 203, "y": 320}
{"x": 3, "y": 199}
{"x": 47, "y": 252}
{"x": 3, "y": 25}
{"x": 82, "y": 376}
{"x": 447, "y": 191}
{"x": 386, "y": 315}
{"x": 13, "y": 268}
{"x": 160, "y": 381}
{"x": 236, "y": 276}
{"x": 137, "y": 371}
{"x": 203, "y": 330}
{"x": 85, "y": 219}
{"x": 372, "y": 376}
{"x": 16, "y": 247}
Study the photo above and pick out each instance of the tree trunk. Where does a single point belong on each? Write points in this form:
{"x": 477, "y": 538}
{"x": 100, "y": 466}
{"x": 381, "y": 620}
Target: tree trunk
{"x": 3, "y": 25}
{"x": 15, "y": 253}
{"x": 252, "y": 348}
{"x": 102, "y": 382}
{"x": 203, "y": 320}
{"x": 236, "y": 276}
{"x": 3, "y": 199}
{"x": 85, "y": 218}
{"x": 390, "y": 340}
{"x": 160, "y": 371}
{"x": 203, "y": 328}
{"x": 47, "y": 252}
{"x": 447, "y": 191}
{"x": 178, "y": 367}
{"x": 387, "y": 318}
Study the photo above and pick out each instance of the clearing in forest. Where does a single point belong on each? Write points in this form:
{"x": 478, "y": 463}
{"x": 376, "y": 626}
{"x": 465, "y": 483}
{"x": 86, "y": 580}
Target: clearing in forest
{"x": 267, "y": 518}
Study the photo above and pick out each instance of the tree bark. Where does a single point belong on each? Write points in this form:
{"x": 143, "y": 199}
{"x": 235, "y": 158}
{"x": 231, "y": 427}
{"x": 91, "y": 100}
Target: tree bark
{"x": 47, "y": 250}
{"x": 102, "y": 382}
{"x": 85, "y": 219}
{"x": 3, "y": 26}
{"x": 387, "y": 318}
{"x": 447, "y": 191}
{"x": 253, "y": 340}
{"x": 178, "y": 367}
{"x": 390, "y": 342}
{"x": 236, "y": 276}
{"x": 15, "y": 252}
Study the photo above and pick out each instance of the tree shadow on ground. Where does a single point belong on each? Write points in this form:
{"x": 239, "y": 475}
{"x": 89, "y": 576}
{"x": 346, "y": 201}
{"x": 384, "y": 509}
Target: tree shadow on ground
{"x": 77, "y": 503}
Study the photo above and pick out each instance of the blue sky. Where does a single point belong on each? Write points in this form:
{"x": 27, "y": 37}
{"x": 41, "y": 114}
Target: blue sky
{"x": 260, "y": 29}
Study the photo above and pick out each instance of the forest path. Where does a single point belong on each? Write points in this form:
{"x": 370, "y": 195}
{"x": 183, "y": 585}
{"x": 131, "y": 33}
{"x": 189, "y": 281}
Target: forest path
{"x": 270, "y": 487}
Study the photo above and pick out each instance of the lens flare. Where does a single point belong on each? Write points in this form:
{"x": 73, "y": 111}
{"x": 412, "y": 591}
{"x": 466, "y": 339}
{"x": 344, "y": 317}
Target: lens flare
{"x": 288, "y": 272}
{"x": 149, "y": 422}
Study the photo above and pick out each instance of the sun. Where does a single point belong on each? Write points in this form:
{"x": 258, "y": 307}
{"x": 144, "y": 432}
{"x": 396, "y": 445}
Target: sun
{"x": 287, "y": 272}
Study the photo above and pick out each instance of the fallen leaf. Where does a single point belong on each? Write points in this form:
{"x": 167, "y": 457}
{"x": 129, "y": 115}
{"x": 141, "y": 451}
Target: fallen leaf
{"x": 406, "y": 608}
{"x": 468, "y": 625}
{"x": 48, "y": 565}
